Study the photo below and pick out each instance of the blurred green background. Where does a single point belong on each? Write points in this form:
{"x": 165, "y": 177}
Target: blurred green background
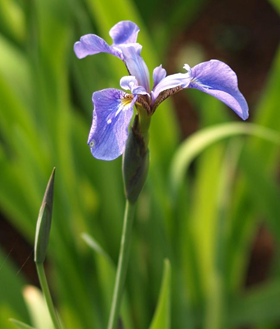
{"x": 211, "y": 202}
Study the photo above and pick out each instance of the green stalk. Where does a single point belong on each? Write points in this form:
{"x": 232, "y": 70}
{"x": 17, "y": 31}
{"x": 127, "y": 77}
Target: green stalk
{"x": 122, "y": 264}
{"x": 47, "y": 295}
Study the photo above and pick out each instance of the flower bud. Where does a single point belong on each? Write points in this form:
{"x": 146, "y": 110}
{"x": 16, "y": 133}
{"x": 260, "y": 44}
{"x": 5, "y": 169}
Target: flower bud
{"x": 44, "y": 223}
{"x": 135, "y": 161}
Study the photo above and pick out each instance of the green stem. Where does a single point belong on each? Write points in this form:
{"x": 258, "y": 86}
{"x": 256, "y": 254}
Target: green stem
{"x": 122, "y": 264}
{"x": 47, "y": 295}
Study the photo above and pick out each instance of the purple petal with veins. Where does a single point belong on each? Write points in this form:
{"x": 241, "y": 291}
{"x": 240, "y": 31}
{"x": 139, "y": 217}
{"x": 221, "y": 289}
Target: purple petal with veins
{"x": 92, "y": 44}
{"x": 159, "y": 73}
{"x": 135, "y": 64}
{"x": 113, "y": 110}
{"x": 124, "y": 32}
{"x": 219, "y": 80}
{"x": 124, "y": 35}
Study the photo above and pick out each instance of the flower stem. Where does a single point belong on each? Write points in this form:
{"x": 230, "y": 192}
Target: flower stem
{"x": 122, "y": 263}
{"x": 47, "y": 295}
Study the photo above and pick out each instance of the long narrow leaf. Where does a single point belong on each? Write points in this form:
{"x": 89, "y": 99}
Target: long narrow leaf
{"x": 20, "y": 324}
{"x": 204, "y": 138}
{"x": 161, "y": 319}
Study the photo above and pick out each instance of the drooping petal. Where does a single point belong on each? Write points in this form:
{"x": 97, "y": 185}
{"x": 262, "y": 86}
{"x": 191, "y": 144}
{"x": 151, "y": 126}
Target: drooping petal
{"x": 219, "y": 80}
{"x": 178, "y": 80}
{"x": 113, "y": 110}
{"x": 130, "y": 83}
{"x": 124, "y": 32}
{"x": 159, "y": 73}
{"x": 135, "y": 64}
{"x": 91, "y": 44}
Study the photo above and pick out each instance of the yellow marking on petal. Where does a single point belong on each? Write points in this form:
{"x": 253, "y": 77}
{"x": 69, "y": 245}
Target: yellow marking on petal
{"x": 127, "y": 99}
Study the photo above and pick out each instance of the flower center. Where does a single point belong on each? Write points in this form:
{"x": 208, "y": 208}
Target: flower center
{"x": 127, "y": 99}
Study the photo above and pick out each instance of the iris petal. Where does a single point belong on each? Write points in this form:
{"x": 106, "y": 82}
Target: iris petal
{"x": 124, "y": 32}
{"x": 172, "y": 81}
{"x": 91, "y": 44}
{"x": 219, "y": 80}
{"x": 159, "y": 73}
{"x": 111, "y": 117}
{"x": 135, "y": 64}
{"x": 131, "y": 83}
{"x": 124, "y": 35}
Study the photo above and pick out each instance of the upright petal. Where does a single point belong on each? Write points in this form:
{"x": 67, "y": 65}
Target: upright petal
{"x": 91, "y": 44}
{"x": 135, "y": 64}
{"x": 178, "y": 81}
{"x": 124, "y": 35}
{"x": 219, "y": 80}
{"x": 159, "y": 73}
{"x": 124, "y": 32}
{"x": 113, "y": 110}
{"x": 130, "y": 83}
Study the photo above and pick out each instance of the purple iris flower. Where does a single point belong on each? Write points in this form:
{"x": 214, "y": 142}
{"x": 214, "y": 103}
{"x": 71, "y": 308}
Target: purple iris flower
{"x": 113, "y": 108}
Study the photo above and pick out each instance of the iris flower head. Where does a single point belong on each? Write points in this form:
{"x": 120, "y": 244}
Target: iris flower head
{"x": 113, "y": 108}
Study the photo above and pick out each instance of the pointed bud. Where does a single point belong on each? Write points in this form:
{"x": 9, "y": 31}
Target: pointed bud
{"x": 44, "y": 223}
{"x": 135, "y": 161}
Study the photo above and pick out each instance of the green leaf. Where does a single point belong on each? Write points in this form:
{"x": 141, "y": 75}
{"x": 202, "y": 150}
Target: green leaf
{"x": 15, "y": 69}
{"x": 276, "y": 4}
{"x": 20, "y": 324}
{"x": 37, "y": 308}
{"x": 199, "y": 141}
{"x": 12, "y": 283}
{"x": 259, "y": 306}
{"x": 105, "y": 272}
{"x": 203, "y": 219}
{"x": 92, "y": 243}
{"x": 247, "y": 208}
{"x": 12, "y": 20}
{"x": 161, "y": 319}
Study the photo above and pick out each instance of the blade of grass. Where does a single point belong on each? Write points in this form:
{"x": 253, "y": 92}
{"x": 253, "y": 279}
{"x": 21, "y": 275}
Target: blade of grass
{"x": 11, "y": 284}
{"x": 106, "y": 271}
{"x": 202, "y": 139}
{"x": 243, "y": 220}
{"x": 161, "y": 319}
{"x": 20, "y": 324}
{"x": 257, "y": 307}
{"x": 37, "y": 308}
